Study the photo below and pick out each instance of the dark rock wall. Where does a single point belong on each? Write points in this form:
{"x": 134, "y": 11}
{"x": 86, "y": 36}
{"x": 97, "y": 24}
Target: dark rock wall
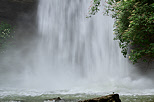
{"x": 14, "y": 11}
{"x": 21, "y": 14}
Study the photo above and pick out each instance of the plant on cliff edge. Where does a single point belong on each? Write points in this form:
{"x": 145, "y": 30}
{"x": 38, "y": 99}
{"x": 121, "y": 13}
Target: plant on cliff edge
{"x": 133, "y": 26}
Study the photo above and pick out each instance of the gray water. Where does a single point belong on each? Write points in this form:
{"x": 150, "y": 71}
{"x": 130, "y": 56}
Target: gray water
{"x": 73, "y": 56}
{"x": 75, "y": 98}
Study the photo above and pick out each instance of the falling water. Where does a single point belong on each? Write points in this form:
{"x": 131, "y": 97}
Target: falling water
{"x": 76, "y": 51}
{"x": 73, "y": 54}
{"x": 73, "y": 48}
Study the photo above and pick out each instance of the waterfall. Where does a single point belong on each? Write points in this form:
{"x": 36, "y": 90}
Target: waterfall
{"x": 73, "y": 53}
{"x": 72, "y": 47}
{"x": 74, "y": 50}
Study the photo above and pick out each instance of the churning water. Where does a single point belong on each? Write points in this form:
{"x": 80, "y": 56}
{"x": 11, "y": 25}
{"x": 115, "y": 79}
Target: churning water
{"x": 73, "y": 55}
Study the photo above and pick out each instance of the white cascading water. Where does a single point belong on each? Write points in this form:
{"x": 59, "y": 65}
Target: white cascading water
{"x": 74, "y": 49}
{"x": 74, "y": 46}
{"x": 76, "y": 54}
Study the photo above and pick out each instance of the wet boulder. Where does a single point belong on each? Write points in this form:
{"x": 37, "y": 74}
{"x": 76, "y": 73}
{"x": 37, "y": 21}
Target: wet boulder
{"x": 58, "y": 99}
{"x": 108, "y": 98}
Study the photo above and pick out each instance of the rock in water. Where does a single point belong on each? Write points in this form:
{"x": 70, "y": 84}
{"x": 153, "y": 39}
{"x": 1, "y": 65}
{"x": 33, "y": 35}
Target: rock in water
{"x": 108, "y": 98}
{"x": 54, "y": 100}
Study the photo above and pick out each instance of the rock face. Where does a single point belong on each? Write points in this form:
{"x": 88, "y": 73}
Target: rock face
{"x": 108, "y": 98}
{"x": 12, "y": 11}
{"x": 21, "y": 14}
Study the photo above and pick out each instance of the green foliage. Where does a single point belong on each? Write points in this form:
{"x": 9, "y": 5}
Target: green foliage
{"x": 6, "y": 36}
{"x": 94, "y": 8}
{"x": 134, "y": 27}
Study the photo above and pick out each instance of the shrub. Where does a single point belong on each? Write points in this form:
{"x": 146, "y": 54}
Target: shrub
{"x": 133, "y": 27}
{"x": 6, "y": 36}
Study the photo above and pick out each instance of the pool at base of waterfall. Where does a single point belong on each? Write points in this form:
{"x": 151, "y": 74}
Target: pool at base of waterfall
{"x": 66, "y": 95}
{"x": 74, "y": 98}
